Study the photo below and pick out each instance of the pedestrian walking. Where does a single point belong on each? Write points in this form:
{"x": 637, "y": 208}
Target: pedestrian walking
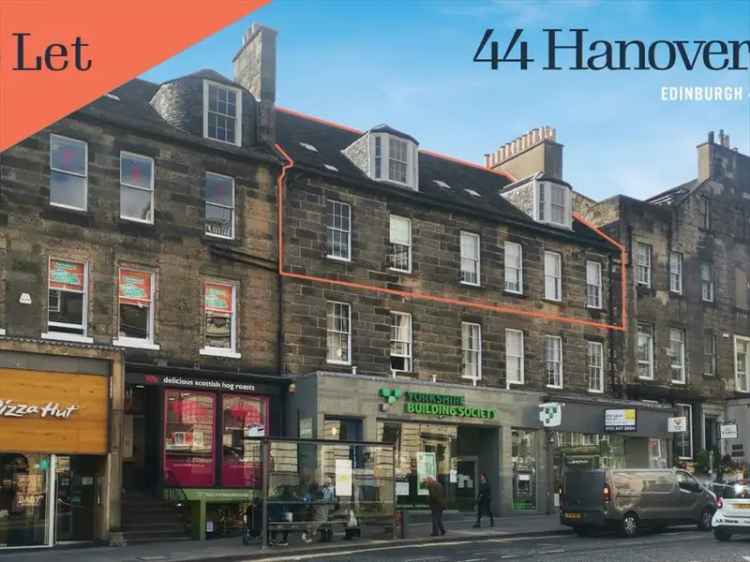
{"x": 484, "y": 501}
{"x": 438, "y": 502}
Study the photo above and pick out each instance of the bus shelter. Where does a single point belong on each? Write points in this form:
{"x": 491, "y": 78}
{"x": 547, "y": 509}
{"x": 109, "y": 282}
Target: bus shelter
{"x": 324, "y": 490}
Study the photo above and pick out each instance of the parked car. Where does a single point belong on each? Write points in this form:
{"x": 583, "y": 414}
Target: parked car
{"x": 629, "y": 499}
{"x": 733, "y": 509}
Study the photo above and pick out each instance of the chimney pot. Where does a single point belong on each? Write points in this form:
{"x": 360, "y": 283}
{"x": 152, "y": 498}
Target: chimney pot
{"x": 512, "y": 155}
{"x": 710, "y": 137}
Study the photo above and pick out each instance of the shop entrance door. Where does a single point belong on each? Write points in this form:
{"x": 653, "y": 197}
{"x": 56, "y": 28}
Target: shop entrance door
{"x": 76, "y": 498}
{"x": 467, "y": 482}
{"x": 141, "y": 468}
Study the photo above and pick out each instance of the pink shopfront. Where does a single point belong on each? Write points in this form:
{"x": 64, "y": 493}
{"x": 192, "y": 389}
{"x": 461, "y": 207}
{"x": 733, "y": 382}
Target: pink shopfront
{"x": 188, "y": 432}
{"x": 208, "y": 437}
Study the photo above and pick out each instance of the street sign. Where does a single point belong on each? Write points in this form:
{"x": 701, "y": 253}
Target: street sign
{"x": 550, "y": 414}
{"x": 728, "y": 431}
{"x": 677, "y": 425}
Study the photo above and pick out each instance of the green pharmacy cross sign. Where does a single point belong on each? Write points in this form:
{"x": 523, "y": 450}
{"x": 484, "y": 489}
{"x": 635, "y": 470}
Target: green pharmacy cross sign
{"x": 427, "y": 403}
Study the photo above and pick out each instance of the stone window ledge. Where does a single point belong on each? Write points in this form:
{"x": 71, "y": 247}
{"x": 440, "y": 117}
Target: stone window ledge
{"x": 67, "y": 337}
{"x": 135, "y": 343}
{"x": 219, "y": 352}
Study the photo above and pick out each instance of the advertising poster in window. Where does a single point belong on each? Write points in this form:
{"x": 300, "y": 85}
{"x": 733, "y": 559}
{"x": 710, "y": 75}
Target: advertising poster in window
{"x": 189, "y": 453}
{"x": 426, "y": 466}
{"x": 135, "y": 287}
{"x": 66, "y": 275}
{"x": 218, "y": 298}
{"x": 343, "y": 477}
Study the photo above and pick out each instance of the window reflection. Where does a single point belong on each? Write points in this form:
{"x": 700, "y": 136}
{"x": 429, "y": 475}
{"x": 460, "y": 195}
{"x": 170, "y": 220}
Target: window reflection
{"x": 189, "y": 458}
{"x": 244, "y": 418}
{"x": 524, "y": 469}
{"x": 23, "y": 499}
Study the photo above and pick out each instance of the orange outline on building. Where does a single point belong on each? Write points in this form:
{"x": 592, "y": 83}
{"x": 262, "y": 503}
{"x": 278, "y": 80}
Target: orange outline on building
{"x": 478, "y": 305}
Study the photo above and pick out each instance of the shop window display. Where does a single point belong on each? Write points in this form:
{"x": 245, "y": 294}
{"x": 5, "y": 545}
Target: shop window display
{"x": 584, "y": 451}
{"x": 420, "y": 448}
{"x": 244, "y": 418}
{"x": 524, "y": 470}
{"x": 189, "y": 456}
{"x": 24, "y": 494}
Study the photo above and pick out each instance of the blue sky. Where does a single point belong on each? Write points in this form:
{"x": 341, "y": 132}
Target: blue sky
{"x": 409, "y": 64}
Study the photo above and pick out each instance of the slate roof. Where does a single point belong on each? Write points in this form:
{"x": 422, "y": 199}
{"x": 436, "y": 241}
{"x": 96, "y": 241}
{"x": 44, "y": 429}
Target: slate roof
{"x": 675, "y": 195}
{"x": 383, "y": 128}
{"x": 471, "y": 187}
{"x": 131, "y": 108}
{"x": 463, "y": 178}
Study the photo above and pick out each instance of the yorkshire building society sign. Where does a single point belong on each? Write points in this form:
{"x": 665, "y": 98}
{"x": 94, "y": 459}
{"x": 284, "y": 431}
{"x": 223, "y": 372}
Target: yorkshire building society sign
{"x": 424, "y": 403}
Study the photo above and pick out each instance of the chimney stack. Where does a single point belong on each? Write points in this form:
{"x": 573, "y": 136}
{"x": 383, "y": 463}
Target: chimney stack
{"x": 533, "y": 151}
{"x": 255, "y": 69}
{"x": 715, "y": 162}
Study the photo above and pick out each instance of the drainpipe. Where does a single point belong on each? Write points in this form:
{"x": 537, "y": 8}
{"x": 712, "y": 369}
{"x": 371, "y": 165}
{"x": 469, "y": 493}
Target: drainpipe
{"x": 280, "y": 341}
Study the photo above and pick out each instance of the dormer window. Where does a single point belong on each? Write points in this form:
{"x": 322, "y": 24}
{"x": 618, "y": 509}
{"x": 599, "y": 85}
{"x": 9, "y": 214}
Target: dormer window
{"x": 553, "y": 205}
{"x": 222, "y": 113}
{"x": 394, "y": 159}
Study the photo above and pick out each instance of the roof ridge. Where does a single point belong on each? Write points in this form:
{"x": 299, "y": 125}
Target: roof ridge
{"x": 432, "y": 153}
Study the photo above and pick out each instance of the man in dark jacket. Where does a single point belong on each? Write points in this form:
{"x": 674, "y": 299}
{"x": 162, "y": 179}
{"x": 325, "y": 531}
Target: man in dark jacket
{"x": 484, "y": 501}
{"x": 437, "y": 503}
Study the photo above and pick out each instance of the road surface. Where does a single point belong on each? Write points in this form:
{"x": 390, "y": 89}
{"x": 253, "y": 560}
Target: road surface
{"x": 675, "y": 546}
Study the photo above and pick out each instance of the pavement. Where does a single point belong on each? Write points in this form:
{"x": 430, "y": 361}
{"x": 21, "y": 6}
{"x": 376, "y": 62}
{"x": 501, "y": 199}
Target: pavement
{"x": 459, "y": 527}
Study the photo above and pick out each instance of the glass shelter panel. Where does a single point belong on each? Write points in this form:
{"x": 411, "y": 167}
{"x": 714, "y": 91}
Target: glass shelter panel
{"x": 334, "y": 485}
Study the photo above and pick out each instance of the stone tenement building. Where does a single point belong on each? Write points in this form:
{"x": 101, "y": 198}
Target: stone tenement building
{"x": 193, "y": 267}
{"x": 144, "y": 225}
{"x": 412, "y": 275}
{"x": 688, "y": 334}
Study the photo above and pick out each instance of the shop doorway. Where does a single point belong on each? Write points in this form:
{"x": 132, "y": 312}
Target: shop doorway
{"x": 48, "y": 499}
{"x": 467, "y": 482}
{"x": 143, "y": 422}
{"x": 76, "y": 487}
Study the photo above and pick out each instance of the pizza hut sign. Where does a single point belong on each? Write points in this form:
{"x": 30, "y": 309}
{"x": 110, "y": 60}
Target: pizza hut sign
{"x": 11, "y": 409}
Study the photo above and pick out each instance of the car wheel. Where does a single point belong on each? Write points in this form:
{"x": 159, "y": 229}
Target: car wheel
{"x": 704, "y": 523}
{"x": 581, "y": 531}
{"x": 629, "y": 525}
{"x": 722, "y": 535}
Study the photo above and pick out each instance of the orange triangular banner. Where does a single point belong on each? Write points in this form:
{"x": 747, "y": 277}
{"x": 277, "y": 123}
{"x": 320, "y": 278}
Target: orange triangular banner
{"x": 56, "y": 57}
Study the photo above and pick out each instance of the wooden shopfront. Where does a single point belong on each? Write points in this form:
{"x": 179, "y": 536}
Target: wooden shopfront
{"x": 54, "y": 440}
